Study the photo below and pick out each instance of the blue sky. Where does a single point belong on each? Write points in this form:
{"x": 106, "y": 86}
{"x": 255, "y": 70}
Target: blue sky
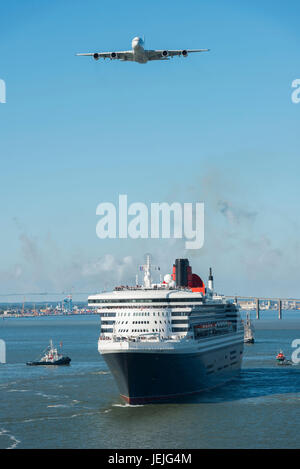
{"x": 218, "y": 127}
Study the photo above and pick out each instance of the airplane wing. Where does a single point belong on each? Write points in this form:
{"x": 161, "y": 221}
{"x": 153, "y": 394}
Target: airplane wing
{"x": 164, "y": 54}
{"x": 120, "y": 55}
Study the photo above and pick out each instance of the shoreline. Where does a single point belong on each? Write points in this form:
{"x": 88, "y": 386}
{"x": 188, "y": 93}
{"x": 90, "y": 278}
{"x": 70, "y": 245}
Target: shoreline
{"x": 21, "y": 316}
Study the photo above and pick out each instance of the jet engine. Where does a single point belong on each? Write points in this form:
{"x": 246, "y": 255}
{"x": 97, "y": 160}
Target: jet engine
{"x": 165, "y": 53}
{"x": 96, "y": 56}
{"x": 113, "y": 55}
{"x": 184, "y": 53}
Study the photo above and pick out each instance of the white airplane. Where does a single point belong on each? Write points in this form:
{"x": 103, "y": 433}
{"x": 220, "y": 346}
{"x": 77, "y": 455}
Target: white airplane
{"x": 141, "y": 55}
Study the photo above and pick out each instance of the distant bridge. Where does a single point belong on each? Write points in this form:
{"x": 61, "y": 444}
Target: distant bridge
{"x": 256, "y": 300}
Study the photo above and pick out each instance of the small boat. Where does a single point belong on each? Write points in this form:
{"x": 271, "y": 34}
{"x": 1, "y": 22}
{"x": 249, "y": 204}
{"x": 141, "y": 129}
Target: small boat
{"x": 51, "y": 357}
{"x": 281, "y": 359}
{"x": 248, "y": 331}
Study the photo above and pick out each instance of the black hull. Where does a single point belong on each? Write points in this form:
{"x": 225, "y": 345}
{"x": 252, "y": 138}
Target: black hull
{"x": 284, "y": 363}
{"x": 62, "y": 361}
{"x": 144, "y": 377}
{"x": 249, "y": 341}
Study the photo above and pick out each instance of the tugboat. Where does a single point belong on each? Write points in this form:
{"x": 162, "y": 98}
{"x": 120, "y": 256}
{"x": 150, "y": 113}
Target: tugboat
{"x": 51, "y": 357}
{"x": 281, "y": 359}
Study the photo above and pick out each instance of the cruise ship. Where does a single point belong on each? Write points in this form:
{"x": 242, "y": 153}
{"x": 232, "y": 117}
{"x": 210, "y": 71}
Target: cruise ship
{"x": 166, "y": 340}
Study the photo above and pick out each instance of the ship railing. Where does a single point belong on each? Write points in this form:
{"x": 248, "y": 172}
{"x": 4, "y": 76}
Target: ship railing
{"x": 142, "y": 339}
{"x": 142, "y": 287}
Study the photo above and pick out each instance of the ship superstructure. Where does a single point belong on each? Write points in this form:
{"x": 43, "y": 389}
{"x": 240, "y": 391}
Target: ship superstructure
{"x": 168, "y": 339}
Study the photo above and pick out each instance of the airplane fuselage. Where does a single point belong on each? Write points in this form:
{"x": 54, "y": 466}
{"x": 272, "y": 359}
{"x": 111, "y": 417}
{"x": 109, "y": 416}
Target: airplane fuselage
{"x": 138, "y": 50}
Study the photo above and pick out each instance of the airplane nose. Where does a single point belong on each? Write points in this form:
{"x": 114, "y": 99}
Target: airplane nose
{"x": 136, "y": 41}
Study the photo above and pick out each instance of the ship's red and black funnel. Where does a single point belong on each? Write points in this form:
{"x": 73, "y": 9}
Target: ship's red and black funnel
{"x": 181, "y": 268}
{"x": 183, "y": 276}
